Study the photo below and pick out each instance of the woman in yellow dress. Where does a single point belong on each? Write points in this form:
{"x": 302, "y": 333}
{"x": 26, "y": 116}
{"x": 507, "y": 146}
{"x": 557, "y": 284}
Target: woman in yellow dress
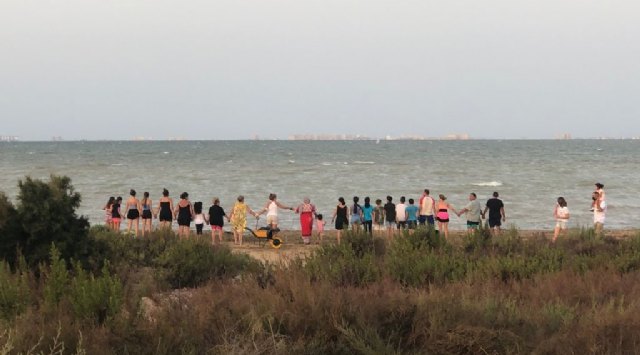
{"x": 238, "y": 219}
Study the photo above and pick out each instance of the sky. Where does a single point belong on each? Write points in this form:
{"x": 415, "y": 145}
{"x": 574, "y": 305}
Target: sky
{"x": 234, "y": 69}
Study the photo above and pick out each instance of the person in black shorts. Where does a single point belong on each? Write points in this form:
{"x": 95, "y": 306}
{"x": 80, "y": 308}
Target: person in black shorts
{"x": 340, "y": 217}
{"x": 390, "y": 216}
{"x": 496, "y": 213}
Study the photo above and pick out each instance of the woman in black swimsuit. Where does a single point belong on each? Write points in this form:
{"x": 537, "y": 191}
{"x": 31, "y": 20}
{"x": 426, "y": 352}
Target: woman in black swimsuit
{"x": 185, "y": 214}
{"x": 340, "y": 217}
{"x": 116, "y": 216}
{"x": 146, "y": 205}
{"x": 165, "y": 212}
{"x": 133, "y": 212}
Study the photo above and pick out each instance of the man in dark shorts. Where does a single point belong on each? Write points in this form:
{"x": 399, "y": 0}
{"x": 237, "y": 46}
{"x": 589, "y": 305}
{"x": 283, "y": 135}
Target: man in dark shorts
{"x": 496, "y": 213}
{"x": 390, "y": 216}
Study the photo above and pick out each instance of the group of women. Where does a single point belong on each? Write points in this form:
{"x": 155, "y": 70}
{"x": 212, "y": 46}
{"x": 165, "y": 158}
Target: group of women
{"x": 184, "y": 212}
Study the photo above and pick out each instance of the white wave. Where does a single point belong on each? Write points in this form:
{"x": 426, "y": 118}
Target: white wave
{"x": 165, "y": 152}
{"x": 364, "y": 162}
{"x": 292, "y": 161}
{"x": 117, "y": 164}
{"x": 489, "y": 183}
{"x": 326, "y": 163}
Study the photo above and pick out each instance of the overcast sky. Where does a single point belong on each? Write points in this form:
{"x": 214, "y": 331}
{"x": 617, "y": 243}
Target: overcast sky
{"x": 231, "y": 69}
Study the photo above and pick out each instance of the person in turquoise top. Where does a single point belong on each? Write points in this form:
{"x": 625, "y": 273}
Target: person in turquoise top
{"x": 412, "y": 215}
{"x": 367, "y": 215}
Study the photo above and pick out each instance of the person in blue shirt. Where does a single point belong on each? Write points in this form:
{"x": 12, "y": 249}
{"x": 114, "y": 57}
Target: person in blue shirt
{"x": 367, "y": 215}
{"x": 412, "y": 216}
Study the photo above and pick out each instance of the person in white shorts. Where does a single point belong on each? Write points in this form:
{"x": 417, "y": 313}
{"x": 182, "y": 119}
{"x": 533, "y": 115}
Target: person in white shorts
{"x": 599, "y": 213}
{"x": 561, "y": 215}
{"x": 271, "y": 208}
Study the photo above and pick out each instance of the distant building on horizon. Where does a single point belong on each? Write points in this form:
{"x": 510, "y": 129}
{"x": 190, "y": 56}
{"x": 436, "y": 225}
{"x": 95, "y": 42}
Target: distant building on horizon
{"x": 564, "y": 136}
{"x": 9, "y": 138}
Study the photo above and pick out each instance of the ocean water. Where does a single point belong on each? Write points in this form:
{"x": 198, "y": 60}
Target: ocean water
{"x": 529, "y": 175}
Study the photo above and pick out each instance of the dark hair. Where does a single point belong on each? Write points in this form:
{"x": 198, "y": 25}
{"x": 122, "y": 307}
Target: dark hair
{"x": 240, "y": 198}
{"x": 272, "y": 197}
{"x": 402, "y": 199}
{"x": 562, "y": 202}
{"x": 367, "y": 202}
{"x": 216, "y": 201}
{"x": 110, "y": 201}
{"x": 411, "y": 201}
{"x": 119, "y": 199}
{"x": 165, "y": 192}
{"x": 378, "y": 201}
{"x": 184, "y": 195}
{"x": 389, "y": 198}
{"x": 341, "y": 200}
{"x": 356, "y": 199}
{"x": 442, "y": 197}
{"x": 197, "y": 207}
{"x": 473, "y": 194}
{"x": 132, "y": 192}
{"x": 599, "y": 185}
{"x": 495, "y": 194}
{"x": 145, "y": 197}
{"x": 426, "y": 191}
{"x": 319, "y": 216}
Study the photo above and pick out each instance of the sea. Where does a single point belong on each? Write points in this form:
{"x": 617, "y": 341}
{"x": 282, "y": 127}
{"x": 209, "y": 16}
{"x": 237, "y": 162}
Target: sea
{"x": 528, "y": 174}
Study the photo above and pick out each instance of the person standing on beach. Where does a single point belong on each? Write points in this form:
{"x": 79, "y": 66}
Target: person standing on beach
{"x": 116, "y": 216}
{"x": 600, "y": 191}
{"x": 147, "y": 207}
{"x": 378, "y": 216}
{"x": 426, "y": 206}
{"x": 133, "y": 212}
{"x": 599, "y": 213}
{"x": 107, "y": 212}
{"x": 216, "y": 220}
{"x": 496, "y": 213}
{"x": 474, "y": 213}
{"x": 356, "y": 214}
{"x": 238, "y": 219}
{"x": 307, "y": 213}
{"x": 340, "y": 217}
{"x": 367, "y": 216}
{"x": 412, "y": 216}
{"x": 390, "y": 216}
{"x": 271, "y": 208}
{"x": 401, "y": 214}
{"x": 442, "y": 216}
{"x": 165, "y": 210}
{"x": 319, "y": 228}
{"x": 561, "y": 215}
{"x": 184, "y": 215}
{"x": 198, "y": 217}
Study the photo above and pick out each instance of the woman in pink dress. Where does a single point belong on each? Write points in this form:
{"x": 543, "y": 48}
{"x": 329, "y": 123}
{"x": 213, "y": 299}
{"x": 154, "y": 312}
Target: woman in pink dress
{"x": 307, "y": 213}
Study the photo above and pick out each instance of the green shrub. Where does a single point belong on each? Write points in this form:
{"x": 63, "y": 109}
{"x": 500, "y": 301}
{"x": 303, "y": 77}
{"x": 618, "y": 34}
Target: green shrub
{"x": 190, "y": 263}
{"x": 56, "y": 278}
{"x": 47, "y": 214}
{"x": 14, "y": 291}
{"x": 95, "y": 298}
{"x": 344, "y": 264}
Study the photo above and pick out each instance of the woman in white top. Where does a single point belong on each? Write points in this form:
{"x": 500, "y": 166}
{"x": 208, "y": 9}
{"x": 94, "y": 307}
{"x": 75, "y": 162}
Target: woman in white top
{"x": 561, "y": 214}
{"x": 271, "y": 208}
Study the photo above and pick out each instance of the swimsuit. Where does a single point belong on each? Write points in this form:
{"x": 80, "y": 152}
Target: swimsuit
{"x": 115, "y": 211}
{"x": 341, "y": 218}
{"x": 165, "y": 212}
{"x": 133, "y": 212}
{"x": 184, "y": 215}
{"x": 146, "y": 212}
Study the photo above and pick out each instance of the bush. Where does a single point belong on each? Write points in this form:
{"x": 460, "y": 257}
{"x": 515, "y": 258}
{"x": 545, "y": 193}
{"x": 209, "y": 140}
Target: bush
{"x": 14, "y": 291}
{"x": 95, "y": 298}
{"x": 190, "y": 263}
{"x": 351, "y": 263}
{"x": 46, "y": 213}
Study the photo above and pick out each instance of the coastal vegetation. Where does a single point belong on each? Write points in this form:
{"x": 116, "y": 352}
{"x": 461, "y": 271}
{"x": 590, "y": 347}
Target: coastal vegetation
{"x": 95, "y": 291}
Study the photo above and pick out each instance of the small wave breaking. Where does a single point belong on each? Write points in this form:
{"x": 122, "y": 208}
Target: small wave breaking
{"x": 488, "y": 183}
